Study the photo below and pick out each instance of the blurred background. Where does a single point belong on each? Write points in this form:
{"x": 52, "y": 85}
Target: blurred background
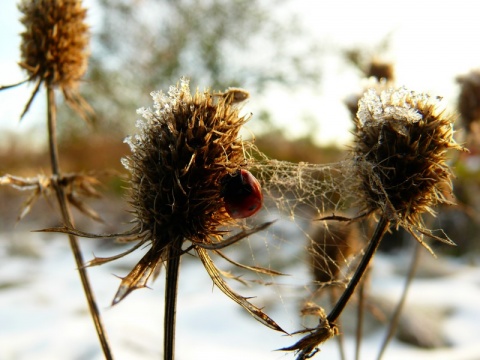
{"x": 305, "y": 63}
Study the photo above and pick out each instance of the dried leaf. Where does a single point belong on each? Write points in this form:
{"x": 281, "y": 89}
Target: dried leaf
{"x": 257, "y": 313}
{"x": 235, "y": 238}
{"x": 103, "y": 260}
{"x": 308, "y": 345}
{"x": 28, "y": 204}
{"x": 67, "y": 230}
{"x": 256, "y": 269}
{"x": 139, "y": 276}
{"x": 84, "y": 209}
{"x": 43, "y": 185}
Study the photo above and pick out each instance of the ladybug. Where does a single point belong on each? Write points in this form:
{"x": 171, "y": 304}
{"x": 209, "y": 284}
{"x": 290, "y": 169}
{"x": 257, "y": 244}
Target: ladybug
{"x": 241, "y": 193}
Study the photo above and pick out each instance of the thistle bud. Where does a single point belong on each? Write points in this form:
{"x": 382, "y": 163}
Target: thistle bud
{"x": 183, "y": 152}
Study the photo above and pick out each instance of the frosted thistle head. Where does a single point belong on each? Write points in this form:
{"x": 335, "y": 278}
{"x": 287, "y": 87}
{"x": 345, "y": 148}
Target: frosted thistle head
{"x": 184, "y": 149}
{"x": 184, "y": 156}
{"x": 54, "y": 47}
{"x": 400, "y": 151}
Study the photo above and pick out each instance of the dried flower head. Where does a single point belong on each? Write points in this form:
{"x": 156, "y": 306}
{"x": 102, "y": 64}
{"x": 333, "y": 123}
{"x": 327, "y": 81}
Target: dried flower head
{"x": 182, "y": 153}
{"x": 400, "y": 151}
{"x": 76, "y": 187}
{"x": 54, "y": 46}
{"x": 469, "y": 98}
{"x": 332, "y": 244}
{"x": 469, "y": 104}
{"x": 185, "y": 149}
{"x": 380, "y": 69}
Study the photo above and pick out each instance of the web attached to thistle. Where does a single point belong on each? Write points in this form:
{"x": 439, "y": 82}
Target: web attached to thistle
{"x": 314, "y": 254}
{"x": 304, "y": 189}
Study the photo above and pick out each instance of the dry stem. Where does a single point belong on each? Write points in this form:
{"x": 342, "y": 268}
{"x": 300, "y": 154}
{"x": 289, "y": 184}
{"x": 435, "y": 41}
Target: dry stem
{"x": 382, "y": 227}
{"x": 173, "y": 265}
{"x": 67, "y": 219}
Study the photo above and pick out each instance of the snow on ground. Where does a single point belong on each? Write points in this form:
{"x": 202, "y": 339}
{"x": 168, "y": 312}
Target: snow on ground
{"x": 43, "y": 312}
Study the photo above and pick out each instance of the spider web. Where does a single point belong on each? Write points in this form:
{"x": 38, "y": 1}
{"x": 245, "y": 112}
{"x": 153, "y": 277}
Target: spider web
{"x": 315, "y": 254}
{"x": 304, "y": 189}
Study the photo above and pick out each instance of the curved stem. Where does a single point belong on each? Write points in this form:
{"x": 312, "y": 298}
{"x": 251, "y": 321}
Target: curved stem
{"x": 382, "y": 227}
{"x": 67, "y": 218}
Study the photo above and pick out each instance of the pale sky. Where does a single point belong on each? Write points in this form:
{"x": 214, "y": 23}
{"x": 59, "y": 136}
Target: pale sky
{"x": 431, "y": 43}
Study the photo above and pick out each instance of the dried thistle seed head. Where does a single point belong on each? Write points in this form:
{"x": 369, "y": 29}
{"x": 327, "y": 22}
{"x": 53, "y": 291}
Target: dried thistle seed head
{"x": 55, "y": 40}
{"x": 183, "y": 150}
{"x": 401, "y": 144}
{"x": 54, "y": 46}
{"x": 380, "y": 69}
{"x": 469, "y": 99}
{"x": 332, "y": 244}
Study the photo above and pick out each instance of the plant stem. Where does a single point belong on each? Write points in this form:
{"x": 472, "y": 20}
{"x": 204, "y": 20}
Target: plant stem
{"x": 67, "y": 219}
{"x": 171, "y": 286}
{"x": 340, "y": 337}
{"x": 382, "y": 227}
{"x": 360, "y": 311}
{"x": 401, "y": 303}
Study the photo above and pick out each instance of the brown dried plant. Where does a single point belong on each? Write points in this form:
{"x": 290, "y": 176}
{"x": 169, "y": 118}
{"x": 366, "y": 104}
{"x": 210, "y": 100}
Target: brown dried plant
{"x": 184, "y": 150}
{"x": 332, "y": 244}
{"x": 469, "y": 105}
{"x": 54, "y": 51}
{"x": 76, "y": 187}
{"x": 400, "y": 155}
{"x": 401, "y": 170}
{"x": 378, "y": 74}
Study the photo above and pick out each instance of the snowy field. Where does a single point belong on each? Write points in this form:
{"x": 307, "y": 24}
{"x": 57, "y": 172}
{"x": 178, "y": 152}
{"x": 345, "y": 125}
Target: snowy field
{"x": 43, "y": 312}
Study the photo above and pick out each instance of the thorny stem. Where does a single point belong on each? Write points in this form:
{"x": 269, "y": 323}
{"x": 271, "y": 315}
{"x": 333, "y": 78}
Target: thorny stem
{"x": 382, "y": 227}
{"x": 67, "y": 218}
{"x": 396, "y": 315}
{"x": 173, "y": 265}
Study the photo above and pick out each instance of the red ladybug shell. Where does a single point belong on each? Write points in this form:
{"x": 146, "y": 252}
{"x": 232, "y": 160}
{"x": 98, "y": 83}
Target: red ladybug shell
{"x": 242, "y": 194}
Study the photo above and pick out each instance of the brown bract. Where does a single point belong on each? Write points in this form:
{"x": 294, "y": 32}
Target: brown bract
{"x": 54, "y": 47}
{"x": 400, "y": 156}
